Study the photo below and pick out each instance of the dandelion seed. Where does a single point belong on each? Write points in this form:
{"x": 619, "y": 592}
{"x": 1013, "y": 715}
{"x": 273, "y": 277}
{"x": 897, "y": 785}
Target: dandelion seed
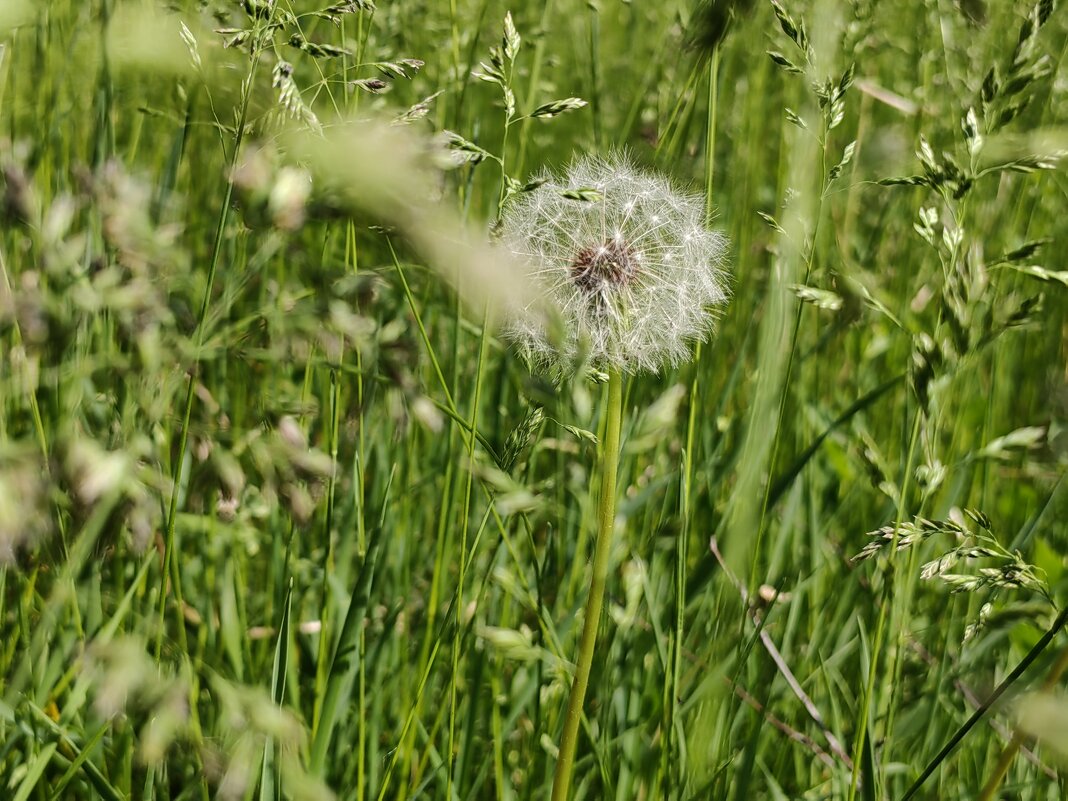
{"x": 633, "y": 274}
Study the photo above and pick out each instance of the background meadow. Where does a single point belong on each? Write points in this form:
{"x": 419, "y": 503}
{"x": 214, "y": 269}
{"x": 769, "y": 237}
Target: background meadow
{"x": 281, "y": 516}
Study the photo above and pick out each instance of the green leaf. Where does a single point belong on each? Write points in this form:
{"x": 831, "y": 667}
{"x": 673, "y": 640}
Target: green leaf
{"x": 79, "y": 760}
{"x": 95, "y": 777}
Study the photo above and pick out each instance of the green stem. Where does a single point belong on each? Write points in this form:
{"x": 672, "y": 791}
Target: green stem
{"x": 672, "y": 680}
{"x": 606, "y": 516}
{"x": 464, "y": 525}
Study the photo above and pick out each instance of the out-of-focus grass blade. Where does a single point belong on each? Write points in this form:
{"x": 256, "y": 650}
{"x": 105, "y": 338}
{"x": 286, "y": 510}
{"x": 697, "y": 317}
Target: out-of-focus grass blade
{"x": 783, "y": 482}
{"x": 76, "y": 699}
{"x": 385, "y": 171}
{"x": 270, "y": 777}
{"x": 78, "y": 761}
{"x": 230, "y": 625}
{"x": 97, "y": 779}
{"x": 34, "y": 771}
{"x": 347, "y": 654}
{"x": 870, "y": 770}
{"x": 14, "y": 13}
{"x": 42, "y": 639}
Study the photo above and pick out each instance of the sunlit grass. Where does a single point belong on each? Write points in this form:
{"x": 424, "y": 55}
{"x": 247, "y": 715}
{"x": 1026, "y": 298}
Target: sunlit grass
{"x": 282, "y": 515}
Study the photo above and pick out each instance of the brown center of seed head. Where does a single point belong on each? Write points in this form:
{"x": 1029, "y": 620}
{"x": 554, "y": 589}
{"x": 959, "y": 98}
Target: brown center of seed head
{"x": 612, "y": 264}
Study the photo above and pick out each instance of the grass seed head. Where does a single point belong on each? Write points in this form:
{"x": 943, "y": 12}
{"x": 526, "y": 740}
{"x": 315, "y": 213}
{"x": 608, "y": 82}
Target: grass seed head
{"x": 623, "y": 262}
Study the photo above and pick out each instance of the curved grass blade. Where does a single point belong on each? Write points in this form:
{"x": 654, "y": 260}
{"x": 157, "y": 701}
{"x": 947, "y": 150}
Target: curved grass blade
{"x": 270, "y": 776}
{"x": 96, "y": 778}
{"x": 78, "y": 761}
{"x": 1009, "y": 680}
{"x": 34, "y": 770}
{"x": 783, "y": 482}
{"x": 347, "y": 654}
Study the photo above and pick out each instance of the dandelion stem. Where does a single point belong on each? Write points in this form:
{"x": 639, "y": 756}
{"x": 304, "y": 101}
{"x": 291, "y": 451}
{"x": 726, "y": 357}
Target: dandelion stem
{"x": 606, "y": 515}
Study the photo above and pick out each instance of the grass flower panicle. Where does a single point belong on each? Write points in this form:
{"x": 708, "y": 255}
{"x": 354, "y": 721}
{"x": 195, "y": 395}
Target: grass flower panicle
{"x": 623, "y": 260}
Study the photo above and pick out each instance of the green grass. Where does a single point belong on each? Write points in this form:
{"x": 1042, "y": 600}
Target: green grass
{"x": 281, "y": 515}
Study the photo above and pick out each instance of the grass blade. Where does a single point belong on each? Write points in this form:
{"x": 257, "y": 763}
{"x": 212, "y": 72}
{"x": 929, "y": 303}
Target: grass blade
{"x": 270, "y": 777}
{"x": 347, "y": 654}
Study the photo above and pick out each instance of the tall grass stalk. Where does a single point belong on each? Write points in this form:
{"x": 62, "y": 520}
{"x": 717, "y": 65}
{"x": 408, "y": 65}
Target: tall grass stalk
{"x": 171, "y": 569}
{"x": 476, "y": 402}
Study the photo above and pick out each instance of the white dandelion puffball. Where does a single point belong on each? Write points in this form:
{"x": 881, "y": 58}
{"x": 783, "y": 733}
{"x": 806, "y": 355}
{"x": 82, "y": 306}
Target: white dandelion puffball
{"x": 622, "y": 260}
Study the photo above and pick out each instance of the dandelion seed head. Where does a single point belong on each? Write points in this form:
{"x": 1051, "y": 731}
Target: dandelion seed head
{"x": 633, "y": 275}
